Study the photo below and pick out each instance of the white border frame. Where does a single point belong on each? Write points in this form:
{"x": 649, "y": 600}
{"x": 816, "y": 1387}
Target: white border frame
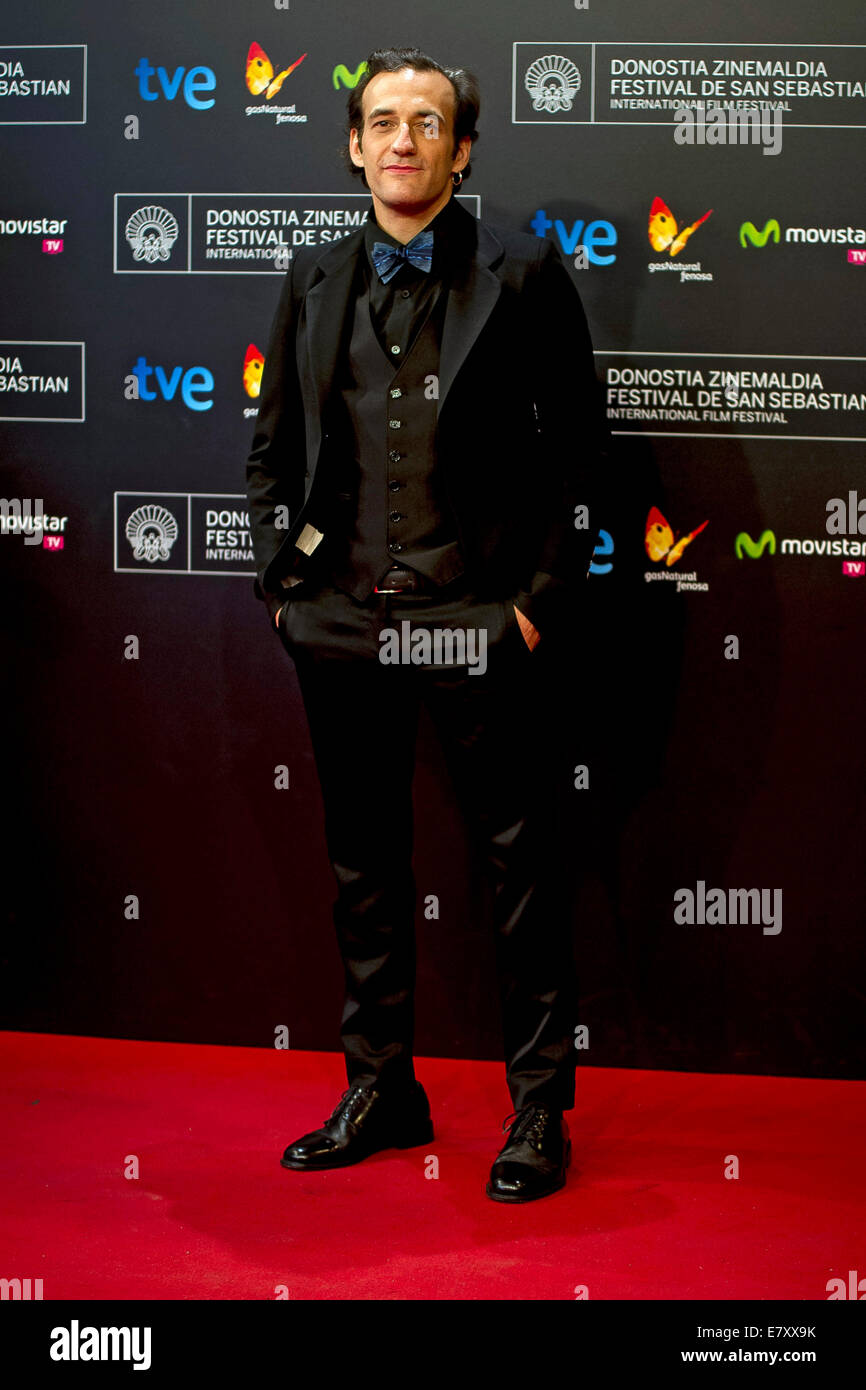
{"x": 140, "y": 569}
{"x": 83, "y": 47}
{"x": 750, "y": 357}
{"x": 49, "y": 419}
{"x": 216, "y": 271}
{"x": 661, "y": 43}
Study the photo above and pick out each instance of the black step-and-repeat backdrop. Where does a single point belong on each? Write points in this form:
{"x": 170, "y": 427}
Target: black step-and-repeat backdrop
{"x": 701, "y": 171}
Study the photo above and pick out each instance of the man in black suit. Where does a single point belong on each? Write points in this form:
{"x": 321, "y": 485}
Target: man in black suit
{"x": 426, "y": 460}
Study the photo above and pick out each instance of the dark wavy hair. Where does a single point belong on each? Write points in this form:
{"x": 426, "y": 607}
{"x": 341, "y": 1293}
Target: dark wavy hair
{"x": 466, "y": 92}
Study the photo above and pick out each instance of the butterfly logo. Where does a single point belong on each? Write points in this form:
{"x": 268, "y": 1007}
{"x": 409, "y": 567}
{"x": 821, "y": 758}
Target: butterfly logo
{"x": 664, "y": 234}
{"x": 254, "y": 363}
{"x": 260, "y": 72}
{"x": 659, "y": 539}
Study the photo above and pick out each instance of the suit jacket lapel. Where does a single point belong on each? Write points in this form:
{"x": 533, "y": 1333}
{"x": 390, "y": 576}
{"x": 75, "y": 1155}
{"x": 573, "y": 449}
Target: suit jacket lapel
{"x": 326, "y": 307}
{"x": 475, "y": 289}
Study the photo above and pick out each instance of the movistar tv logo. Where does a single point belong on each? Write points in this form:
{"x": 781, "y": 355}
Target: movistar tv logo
{"x": 750, "y": 233}
{"x": 801, "y": 236}
{"x": 744, "y": 545}
{"x": 349, "y": 79}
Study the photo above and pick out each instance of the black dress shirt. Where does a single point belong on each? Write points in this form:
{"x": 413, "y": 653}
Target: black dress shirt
{"x": 399, "y": 308}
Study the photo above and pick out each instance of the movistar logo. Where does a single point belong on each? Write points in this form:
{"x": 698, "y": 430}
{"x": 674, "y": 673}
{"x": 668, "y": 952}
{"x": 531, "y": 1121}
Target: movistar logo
{"x": 749, "y": 232}
{"x": 349, "y": 79}
{"x": 754, "y": 549}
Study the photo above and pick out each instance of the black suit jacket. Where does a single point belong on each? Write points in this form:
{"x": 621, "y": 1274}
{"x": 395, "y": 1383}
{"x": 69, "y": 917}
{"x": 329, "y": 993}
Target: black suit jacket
{"x": 521, "y": 431}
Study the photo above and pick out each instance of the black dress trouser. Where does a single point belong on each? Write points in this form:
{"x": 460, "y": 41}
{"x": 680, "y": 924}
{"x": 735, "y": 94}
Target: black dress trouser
{"x": 506, "y": 744}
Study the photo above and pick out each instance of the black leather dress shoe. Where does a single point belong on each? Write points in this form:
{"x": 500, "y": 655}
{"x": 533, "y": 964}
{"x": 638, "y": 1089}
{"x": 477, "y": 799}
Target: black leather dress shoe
{"x": 535, "y": 1157}
{"x": 364, "y": 1121}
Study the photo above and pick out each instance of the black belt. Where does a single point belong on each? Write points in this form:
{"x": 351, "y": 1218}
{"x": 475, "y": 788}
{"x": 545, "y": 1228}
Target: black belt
{"x": 403, "y": 581}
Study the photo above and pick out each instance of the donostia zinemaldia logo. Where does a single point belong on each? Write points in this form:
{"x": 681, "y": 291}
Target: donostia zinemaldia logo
{"x": 553, "y": 82}
{"x": 151, "y": 531}
{"x": 151, "y": 232}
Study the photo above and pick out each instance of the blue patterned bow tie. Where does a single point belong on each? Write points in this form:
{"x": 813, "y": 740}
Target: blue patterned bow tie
{"x": 418, "y": 252}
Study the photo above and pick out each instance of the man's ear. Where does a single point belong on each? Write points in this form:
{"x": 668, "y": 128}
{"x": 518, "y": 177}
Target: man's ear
{"x": 463, "y": 146}
{"x": 359, "y": 163}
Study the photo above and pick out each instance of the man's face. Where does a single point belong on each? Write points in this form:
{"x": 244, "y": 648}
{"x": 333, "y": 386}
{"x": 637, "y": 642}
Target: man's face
{"x": 407, "y": 138}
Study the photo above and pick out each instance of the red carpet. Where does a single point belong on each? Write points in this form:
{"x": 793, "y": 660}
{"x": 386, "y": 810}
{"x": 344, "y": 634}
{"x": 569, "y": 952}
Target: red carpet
{"x": 647, "y": 1213}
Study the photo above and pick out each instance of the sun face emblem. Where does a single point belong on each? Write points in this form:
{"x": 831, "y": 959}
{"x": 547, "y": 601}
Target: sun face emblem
{"x": 151, "y": 531}
{"x": 553, "y": 82}
{"x": 151, "y": 232}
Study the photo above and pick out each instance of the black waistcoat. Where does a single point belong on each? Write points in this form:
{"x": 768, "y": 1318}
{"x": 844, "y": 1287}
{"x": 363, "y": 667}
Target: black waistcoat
{"x": 386, "y": 420}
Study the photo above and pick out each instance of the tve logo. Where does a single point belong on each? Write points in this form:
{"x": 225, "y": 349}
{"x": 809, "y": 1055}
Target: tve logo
{"x": 603, "y": 549}
{"x": 191, "y": 382}
{"x": 194, "y": 80}
{"x": 588, "y": 236}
